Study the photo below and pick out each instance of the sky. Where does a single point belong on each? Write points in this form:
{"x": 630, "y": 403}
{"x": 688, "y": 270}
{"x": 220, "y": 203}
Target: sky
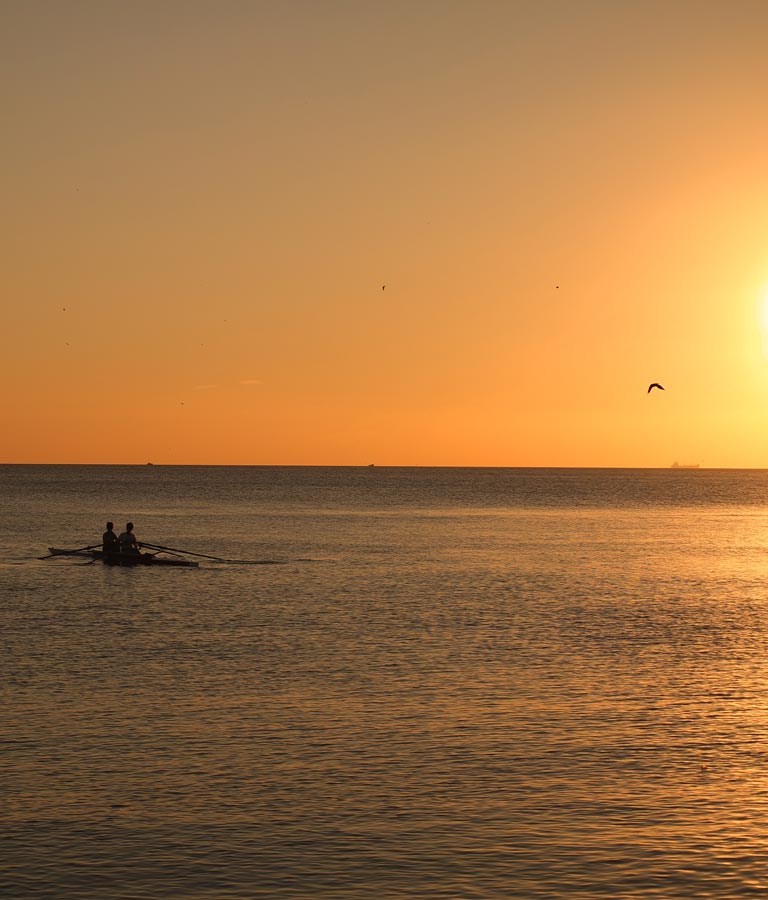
{"x": 404, "y": 233}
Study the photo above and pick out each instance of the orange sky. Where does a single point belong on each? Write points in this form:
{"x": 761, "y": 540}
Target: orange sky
{"x": 565, "y": 201}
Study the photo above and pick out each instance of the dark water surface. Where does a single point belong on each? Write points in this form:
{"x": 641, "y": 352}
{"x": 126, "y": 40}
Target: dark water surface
{"x": 460, "y": 683}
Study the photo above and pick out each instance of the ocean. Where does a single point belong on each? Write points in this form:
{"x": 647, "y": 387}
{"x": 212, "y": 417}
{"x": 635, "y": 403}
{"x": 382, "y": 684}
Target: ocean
{"x": 451, "y": 683}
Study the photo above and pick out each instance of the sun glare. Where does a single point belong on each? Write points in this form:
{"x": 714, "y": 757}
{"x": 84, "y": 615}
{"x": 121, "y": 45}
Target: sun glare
{"x": 762, "y": 316}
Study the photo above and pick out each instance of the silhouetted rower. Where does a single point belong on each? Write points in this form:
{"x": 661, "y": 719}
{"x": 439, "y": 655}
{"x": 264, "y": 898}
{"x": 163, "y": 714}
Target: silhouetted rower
{"x": 128, "y": 542}
{"x": 109, "y": 540}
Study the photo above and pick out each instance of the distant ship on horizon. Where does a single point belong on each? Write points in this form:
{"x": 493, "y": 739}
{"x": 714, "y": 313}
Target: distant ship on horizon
{"x": 677, "y": 465}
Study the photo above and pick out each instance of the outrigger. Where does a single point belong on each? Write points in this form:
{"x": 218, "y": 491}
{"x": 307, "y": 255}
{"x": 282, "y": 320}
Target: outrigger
{"x": 123, "y": 559}
{"x": 173, "y": 557}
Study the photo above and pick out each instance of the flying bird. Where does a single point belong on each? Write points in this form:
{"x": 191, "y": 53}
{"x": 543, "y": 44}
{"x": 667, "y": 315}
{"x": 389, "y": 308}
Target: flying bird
{"x": 655, "y": 385}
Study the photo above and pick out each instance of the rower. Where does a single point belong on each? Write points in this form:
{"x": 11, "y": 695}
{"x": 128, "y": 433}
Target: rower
{"x": 109, "y": 540}
{"x": 128, "y": 542}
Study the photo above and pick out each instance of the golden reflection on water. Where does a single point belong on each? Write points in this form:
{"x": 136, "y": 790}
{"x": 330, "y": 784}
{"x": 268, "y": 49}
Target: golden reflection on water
{"x": 528, "y": 703}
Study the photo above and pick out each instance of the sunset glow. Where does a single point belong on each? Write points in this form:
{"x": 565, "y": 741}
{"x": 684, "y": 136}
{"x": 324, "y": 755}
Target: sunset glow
{"x": 409, "y": 234}
{"x": 762, "y": 314}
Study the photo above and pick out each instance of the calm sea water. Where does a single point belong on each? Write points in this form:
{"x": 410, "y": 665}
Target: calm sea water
{"x": 459, "y": 683}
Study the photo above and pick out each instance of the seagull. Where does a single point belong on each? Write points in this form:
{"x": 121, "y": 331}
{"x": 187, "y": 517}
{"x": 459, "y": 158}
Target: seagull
{"x": 655, "y": 385}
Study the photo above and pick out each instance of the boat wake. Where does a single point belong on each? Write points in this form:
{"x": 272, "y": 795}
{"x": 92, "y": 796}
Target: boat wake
{"x": 268, "y": 562}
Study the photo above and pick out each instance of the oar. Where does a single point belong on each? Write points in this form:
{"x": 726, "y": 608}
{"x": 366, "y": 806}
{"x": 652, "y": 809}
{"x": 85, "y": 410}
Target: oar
{"x": 185, "y": 552}
{"x": 79, "y": 550}
{"x": 158, "y": 550}
{"x": 244, "y": 562}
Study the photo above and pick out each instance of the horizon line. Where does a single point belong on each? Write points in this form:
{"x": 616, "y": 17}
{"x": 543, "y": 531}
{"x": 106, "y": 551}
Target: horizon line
{"x": 145, "y": 465}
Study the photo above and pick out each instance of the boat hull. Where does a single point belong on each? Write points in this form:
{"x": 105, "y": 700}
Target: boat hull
{"x": 125, "y": 559}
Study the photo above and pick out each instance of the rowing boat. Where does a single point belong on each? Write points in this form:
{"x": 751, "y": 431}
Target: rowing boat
{"x": 124, "y": 559}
